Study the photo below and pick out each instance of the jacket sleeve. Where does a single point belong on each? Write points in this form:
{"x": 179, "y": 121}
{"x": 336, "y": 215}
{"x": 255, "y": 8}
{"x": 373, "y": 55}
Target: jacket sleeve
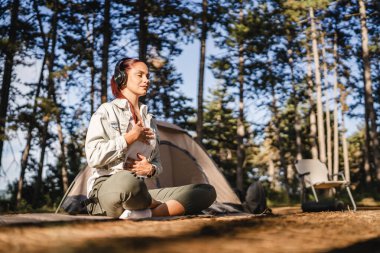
{"x": 156, "y": 160}
{"x": 100, "y": 149}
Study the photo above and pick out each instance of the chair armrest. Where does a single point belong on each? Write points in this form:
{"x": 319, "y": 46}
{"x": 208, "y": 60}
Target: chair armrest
{"x": 303, "y": 174}
{"x": 302, "y": 178}
{"x": 339, "y": 174}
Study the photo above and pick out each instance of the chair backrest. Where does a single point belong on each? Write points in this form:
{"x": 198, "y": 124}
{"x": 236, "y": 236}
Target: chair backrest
{"x": 318, "y": 171}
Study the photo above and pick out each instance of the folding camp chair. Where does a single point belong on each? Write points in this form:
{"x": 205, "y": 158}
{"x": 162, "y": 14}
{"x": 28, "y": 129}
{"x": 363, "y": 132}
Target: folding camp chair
{"x": 314, "y": 175}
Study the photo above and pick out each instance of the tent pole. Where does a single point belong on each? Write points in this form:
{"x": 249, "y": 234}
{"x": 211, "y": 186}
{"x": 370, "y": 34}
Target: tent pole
{"x": 64, "y": 196}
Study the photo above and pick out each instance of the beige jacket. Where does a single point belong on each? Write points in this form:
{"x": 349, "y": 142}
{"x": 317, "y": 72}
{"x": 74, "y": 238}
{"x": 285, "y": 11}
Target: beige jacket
{"x": 106, "y": 146}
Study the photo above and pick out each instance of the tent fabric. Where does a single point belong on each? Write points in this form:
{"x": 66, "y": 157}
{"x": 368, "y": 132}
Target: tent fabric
{"x": 184, "y": 161}
{"x": 206, "y": 166}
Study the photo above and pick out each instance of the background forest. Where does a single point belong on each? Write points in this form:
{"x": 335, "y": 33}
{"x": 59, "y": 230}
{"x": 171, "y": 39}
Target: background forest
{"x": 310, "y": 65}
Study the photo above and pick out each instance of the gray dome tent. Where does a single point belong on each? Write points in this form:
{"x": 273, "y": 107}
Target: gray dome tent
{"x": 184, "y": 161}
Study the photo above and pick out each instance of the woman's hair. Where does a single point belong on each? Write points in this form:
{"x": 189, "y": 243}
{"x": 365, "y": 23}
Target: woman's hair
{"x": 125, "y": 66}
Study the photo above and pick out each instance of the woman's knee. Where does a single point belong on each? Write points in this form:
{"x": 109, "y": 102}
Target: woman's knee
{"x": 123, "y": 191}
{"x": 208, "y": 191}
{"x": 125, "y": 182}
{"x": 197, "y": 197}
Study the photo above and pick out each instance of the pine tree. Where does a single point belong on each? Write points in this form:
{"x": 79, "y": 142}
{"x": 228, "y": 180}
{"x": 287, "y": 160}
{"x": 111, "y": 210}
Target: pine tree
{"x": 220, "y": 131}
{"x": 372, "y": 139}
{"x": 10, "y": 51}
{"x": 32, "y": 122}
{"x": 107, "y": 33}
{"x": 201, "y": 70}
{"x": 49, "y": 101}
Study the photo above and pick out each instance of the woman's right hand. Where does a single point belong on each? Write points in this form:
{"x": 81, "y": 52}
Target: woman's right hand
{"x": 139, "y": 133}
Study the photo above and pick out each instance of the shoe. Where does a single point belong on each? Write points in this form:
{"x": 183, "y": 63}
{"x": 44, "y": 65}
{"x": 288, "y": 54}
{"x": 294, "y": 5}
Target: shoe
{"x": 136, "y": 214}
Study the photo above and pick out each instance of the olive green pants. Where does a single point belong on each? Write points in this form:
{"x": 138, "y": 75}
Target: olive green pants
{"x": 113, "y": 194}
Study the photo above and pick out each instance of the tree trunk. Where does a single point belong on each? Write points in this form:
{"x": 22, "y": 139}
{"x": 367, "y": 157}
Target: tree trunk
{"x": 328, "y": 136}
{"x": 313, "y": 127}
{"x": 53, "y": 95}
{"x": 297, "y": 126}
{"x": 321, "y": 129}
{"x": 275, "y": 185}
{"x": 279, "y": 141}
{"x": 92, "y": 88}
{"x": 143, "y": 31}
{"x": 201, "y": 72}
{"x": 91, "y": 41}
{"x": 29, "y": 135}
{"x": 344, "y": 141}
{"x": 46, "y": 118}
{"x": 336, "y": 101}
{"x": 372, "y": 140}
{"x": 240, "y": 122}
{"x": 328, "y": 120}
{"x": 65, "y": 180}
{"x": 106, "y": 29}
{"x": 8, "y": 68}
{"x": 345, "y": 151}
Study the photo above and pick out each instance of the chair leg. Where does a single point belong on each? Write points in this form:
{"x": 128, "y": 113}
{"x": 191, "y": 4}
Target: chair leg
{"x": 351, "y": 198}
{"x": 315, "y": 194}
{"x": 303, "y": 193}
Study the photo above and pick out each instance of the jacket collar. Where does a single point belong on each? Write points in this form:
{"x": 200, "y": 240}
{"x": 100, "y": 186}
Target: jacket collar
{"x": 122, "y": 103}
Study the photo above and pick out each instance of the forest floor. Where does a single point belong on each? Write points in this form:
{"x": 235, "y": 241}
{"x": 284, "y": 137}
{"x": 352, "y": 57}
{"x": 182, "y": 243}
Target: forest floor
{"x": 288, "y": 230}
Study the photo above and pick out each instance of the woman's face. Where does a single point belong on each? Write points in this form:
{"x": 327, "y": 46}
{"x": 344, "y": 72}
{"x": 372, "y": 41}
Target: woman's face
{"x": 138, "y": 79}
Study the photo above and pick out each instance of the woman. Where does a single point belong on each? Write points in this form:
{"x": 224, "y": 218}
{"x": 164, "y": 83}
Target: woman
{"x": 122, "y": 145}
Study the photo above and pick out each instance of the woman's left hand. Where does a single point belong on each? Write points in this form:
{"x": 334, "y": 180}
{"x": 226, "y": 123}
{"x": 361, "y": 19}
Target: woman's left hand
{"x": 140, "y": 167}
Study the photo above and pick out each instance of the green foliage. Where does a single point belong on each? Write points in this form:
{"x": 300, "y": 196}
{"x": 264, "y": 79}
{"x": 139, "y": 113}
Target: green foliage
{"x": 220, "y": 131}
{"x": 220, "y": 127}
{"x": 297, "y": 10}
{"x": 165, "y": 100}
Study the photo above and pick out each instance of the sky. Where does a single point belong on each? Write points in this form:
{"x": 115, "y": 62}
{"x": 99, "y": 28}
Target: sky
{"x": 187, "y": 64}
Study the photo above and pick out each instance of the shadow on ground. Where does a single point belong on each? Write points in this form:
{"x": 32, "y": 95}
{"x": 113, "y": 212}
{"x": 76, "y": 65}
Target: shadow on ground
{"x": 186, "y": 242}
{"x": 369, "y": 246}
{"x": 331, "y": 232}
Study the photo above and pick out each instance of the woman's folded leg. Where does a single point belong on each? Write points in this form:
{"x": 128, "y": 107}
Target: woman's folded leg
{"x": 190, "y": 199}
{"x": 119, "y": 192}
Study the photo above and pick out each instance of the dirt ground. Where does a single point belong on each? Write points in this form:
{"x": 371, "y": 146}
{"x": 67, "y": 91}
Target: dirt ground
{"x": 289, "y": 230}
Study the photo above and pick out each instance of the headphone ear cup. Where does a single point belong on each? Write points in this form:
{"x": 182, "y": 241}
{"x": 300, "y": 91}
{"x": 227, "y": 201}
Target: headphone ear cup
{"x": 125, "y": 77}
{"x": 119, "y": 75}
{"x": 119, "y": 78}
